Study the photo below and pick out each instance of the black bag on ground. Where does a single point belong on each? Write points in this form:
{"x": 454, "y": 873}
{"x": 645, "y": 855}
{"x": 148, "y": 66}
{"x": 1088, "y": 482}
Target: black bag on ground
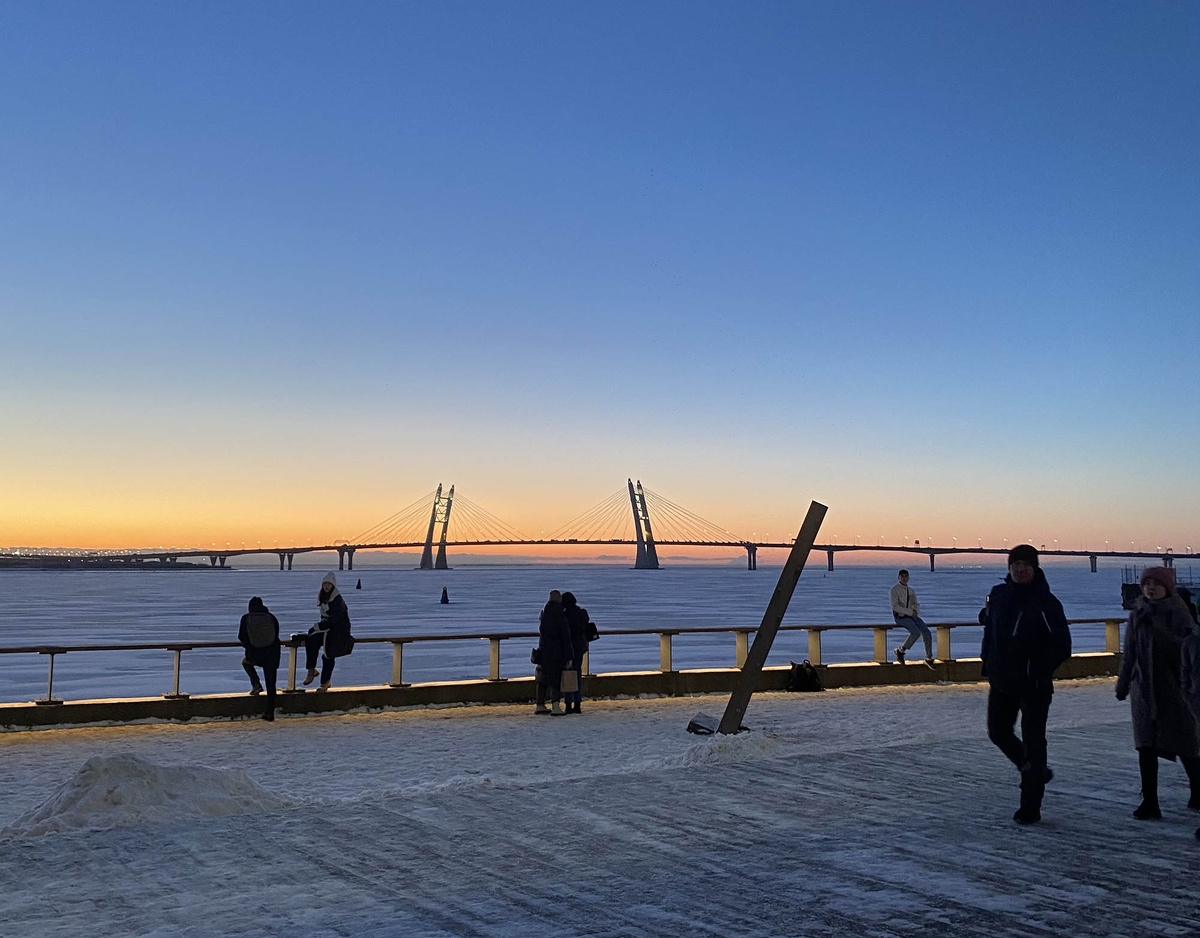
{"x": 804, "y": 677}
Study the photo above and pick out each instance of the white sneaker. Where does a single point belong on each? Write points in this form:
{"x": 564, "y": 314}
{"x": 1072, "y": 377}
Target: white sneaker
{"x": 311, "y": 676}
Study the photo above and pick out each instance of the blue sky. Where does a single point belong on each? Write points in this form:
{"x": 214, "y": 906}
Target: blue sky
{"x": 934, "y": 264}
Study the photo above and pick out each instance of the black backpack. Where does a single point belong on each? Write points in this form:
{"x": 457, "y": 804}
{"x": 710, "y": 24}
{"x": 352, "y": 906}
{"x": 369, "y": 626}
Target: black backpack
{"x": 260, "y": 629}
{"x": 804, "y": 677}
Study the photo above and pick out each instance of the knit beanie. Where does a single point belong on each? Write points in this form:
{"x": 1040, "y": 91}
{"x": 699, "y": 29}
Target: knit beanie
{"x": 1163, "y": 575}
{"x": 1024, "y": 553}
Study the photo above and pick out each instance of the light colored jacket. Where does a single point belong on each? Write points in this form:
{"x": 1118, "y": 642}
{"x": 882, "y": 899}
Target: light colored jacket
{"x": 904, "y": 601}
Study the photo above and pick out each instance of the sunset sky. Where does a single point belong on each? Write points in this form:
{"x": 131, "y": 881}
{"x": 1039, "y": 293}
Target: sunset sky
{"x": 270, "y": 271}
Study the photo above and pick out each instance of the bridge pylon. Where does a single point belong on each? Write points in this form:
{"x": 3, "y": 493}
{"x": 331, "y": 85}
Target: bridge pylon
{"x": 647, "y": 554}
{"x": 427, "y": 553}
{"x": 440, "y": 563}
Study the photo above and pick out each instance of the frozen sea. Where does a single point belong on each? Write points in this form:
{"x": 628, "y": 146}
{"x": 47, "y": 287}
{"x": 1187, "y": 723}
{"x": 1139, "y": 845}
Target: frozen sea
{"x": 122, "y": 607}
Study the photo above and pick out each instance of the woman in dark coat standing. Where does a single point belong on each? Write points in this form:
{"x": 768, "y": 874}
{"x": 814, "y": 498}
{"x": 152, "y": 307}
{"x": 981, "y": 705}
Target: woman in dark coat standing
{"x": 554, "y": 654}
{"x": 577, "y": 629}
{"x": 332, "y": 633}
{"x": 1164, "y": 726}
{"x": 258, "y": 634}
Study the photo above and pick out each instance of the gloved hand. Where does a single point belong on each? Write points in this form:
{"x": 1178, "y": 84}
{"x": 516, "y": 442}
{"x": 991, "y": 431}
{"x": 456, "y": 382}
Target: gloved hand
{"x": 1122, "y": 694}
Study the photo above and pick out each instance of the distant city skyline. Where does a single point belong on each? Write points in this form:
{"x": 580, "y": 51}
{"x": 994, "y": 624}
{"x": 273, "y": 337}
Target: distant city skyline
{"x": 272, "y": 271}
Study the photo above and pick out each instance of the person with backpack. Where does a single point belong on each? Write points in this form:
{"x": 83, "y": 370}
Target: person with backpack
{"x": 1152, "y": 677}
{"x": 332, "y": 634}
{"x": 904, "y": 610}
{"x": 1025, "y": 638}
{"x": 258, "y": 634}
{"x": 553, "y": 655}
{"x": 579, "y": 628}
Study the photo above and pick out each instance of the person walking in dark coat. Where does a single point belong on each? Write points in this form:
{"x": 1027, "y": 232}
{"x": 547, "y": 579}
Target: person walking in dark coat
{"x": 332, "y": 633}
{"x": 1025, "y": 638}
{"x": 577, "y": 630}
{"x": 554, "y": 654}
{"x": 258, "y": 634}
{"x": 1151, "y": 676}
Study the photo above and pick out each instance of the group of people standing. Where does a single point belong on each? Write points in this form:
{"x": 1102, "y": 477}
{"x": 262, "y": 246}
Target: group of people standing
{"x": 564, "y": 633}
{"x": 258, "y": 634}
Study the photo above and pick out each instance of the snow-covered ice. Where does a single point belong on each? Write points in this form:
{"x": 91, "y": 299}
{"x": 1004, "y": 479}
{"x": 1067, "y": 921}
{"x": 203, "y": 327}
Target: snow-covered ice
{"x": 853, "y": 812}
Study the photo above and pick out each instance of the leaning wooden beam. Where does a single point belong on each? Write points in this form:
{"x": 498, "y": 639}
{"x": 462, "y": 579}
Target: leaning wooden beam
{"x": 739, "y": 700}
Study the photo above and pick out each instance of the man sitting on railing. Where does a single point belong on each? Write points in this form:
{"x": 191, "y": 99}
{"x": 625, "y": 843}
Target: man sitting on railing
{"x": 904, "y": 610}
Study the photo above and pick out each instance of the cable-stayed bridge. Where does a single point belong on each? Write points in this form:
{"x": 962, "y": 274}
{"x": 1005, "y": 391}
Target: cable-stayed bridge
{"x": 632, "y": 516}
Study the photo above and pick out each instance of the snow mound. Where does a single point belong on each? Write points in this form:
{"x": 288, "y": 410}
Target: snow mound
{"x": 125, "y": 791}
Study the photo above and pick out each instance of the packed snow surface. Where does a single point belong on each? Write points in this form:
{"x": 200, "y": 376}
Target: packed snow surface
{"x": 125, "y": 791}
{"x": 872, "y": 811}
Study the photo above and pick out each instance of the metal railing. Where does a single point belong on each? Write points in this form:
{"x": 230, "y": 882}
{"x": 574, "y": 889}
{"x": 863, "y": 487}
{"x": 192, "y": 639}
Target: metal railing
{"x": 942, "y": 630}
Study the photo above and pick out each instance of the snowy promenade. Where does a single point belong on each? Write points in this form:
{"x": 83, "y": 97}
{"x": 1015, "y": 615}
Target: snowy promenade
{"x": 879, "y": 812}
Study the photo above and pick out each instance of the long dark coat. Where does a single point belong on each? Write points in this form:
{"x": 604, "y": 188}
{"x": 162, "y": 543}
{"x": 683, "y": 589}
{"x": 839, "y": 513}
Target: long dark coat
{"x": 338, "y": 642}
{"x": 554, "y": 643}
{"x": 1151, "y": 675}
{"x": 1025, "y": 636}
{"x": 577, "y": 620}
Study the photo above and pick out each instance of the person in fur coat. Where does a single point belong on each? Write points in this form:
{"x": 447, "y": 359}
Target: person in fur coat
{"x": 1151, "y": 676}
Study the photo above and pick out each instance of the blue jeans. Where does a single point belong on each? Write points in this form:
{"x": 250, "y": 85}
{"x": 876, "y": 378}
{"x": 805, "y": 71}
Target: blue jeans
{"x": 916, "y": 629}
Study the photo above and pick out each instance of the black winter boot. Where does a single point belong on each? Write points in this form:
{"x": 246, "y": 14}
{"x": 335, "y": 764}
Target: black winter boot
{"x": 1148, "y": 810}
{"x": 1033, "y": 786}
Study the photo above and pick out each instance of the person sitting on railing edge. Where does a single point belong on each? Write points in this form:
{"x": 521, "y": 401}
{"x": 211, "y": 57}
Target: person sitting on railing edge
{"x": 904, "y": 610}
{"x": 332, "y": 633}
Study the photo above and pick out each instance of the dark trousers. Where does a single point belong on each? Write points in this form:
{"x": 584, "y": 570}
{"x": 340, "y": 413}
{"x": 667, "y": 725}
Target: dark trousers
{"x": 313, "y": 643}
{"x": 1028, "y": 753}
{"x": 269, "y": 676}
{"x": 1148, "y": 768}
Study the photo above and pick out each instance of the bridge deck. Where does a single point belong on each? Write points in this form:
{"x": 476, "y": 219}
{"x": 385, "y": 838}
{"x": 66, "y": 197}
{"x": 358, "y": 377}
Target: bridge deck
{"x": 854, "y": 812}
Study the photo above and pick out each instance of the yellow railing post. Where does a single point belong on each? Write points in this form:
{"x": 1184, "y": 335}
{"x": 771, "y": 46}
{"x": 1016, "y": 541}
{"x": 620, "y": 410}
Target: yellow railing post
{"x": 943, "y": 643}
{"x": 664, "y": 651}
{"x": 881, "y": 643}
{"x": 814, "y": 646}
{"x": 1112, "y": 635}
{"x": 741, "y": 643}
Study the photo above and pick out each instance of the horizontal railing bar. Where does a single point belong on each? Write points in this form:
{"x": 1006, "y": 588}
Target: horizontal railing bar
{"x": 408, "y": 639}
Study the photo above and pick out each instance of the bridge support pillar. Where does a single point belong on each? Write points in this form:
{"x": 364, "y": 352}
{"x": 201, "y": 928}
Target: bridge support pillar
{"x": 830, "y": 555}
{"x": 221, "y": 561}
{"x": 341, "y": 559}
{"x": 932, "y": 568}
{"x": 212, "y": 560}
{"x": 751, "y": 557}
{"x": 1092, "y": 561}
{"x": 350, "y": 559}
{"x": 1168, "y": 560}
{"x": 282, "y": 556}
{"x": 290, "y": 556}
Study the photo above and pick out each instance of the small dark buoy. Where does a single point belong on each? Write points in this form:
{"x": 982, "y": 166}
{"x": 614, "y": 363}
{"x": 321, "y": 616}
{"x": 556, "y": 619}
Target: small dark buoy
{"x": 358, "y": 586}
{"x": 445, "y": 595}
